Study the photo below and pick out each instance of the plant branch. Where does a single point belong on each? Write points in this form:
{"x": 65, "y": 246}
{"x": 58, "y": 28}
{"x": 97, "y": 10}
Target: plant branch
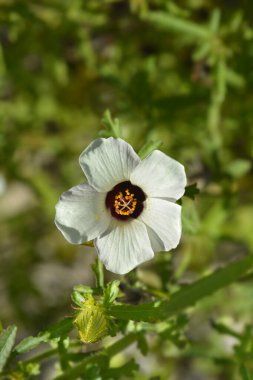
{"x": 75, "y": 372}
{"x": 187, "y": 296}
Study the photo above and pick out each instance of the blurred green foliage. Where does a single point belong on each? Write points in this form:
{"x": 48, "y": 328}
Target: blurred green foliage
{"x": 176, "y": 72}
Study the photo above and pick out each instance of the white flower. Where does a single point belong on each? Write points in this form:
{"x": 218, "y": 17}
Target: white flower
{"x": 128, "y": 206}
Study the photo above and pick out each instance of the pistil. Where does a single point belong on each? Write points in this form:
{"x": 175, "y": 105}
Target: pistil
{"x": 125, "y": 205}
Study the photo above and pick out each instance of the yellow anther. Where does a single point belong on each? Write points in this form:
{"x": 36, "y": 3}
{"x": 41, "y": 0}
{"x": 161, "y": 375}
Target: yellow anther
{"x": 125, "y": 205}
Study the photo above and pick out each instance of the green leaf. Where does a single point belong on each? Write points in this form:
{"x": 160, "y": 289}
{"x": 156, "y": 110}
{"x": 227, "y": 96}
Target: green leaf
{"x": 223, "y": 329}
{"x": 148, "y": 148}
{"x": 190, "y": 218}
{"x": 7, "y": 340}
{"x": 83, "y": 289}
{"x": 31, "y": 342}
{"x": 29, "y": 369}
{"x": 77, "y": 298}
{"x": 142, "y": 344}
{"x": 128, "y": 369}
{"x": 202, "y": 288}
{"x": 244, "y": 373}
{"x": 215, "y": 20}
{"x": 93, "y": 372}
{"x": 100, "y": 357}
{"x": 186, "y": 297}
{"x": 60, "y": 329}
{"x": 112, "y": 127}
{"x": 174, "y": 335}
{"x": 214, "y": 220}
{"x": 235, "y": 79}
{"x": 170, "y": 22}
{"x": 148, "y": 311}
{"x": 191, "y": 191}
{"x": 238, "y": 168}
{"x": 80, "y": 293}
{"x": 111, "y": 292}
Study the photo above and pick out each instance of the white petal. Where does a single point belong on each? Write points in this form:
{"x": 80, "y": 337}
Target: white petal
{"x": 81, "y": 214}
{"x": 124, "y": 247}
{"x": 160, "y": 176}
{"x": 164, "y": 218}
{"x": 156, "y": 243}
{"x": 106, "y": 162}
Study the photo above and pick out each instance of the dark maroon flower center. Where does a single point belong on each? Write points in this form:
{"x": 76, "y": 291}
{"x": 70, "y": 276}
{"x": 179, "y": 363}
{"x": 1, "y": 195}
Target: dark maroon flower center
{"x": 125, "y": 201}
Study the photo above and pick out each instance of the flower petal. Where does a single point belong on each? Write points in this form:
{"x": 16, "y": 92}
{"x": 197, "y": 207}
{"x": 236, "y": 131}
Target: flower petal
{"x": 160, "y": 176}
{"x": 81, "y": 214}
{"x": 124, "y": 247}
{"x": 106, "y": 162}
{"x": 156, "y": 243}
{"x": 164, "y": 218}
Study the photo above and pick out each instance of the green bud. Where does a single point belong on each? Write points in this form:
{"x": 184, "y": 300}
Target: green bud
{"x": 91, "y": 321}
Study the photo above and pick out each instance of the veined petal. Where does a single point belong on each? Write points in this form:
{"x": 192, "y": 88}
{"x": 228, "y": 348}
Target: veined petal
{"x": 164, "y": 218}
{"x": 160, "y": 176}
{"x": 81, "y": 214}
{"x": 155, "y": 241}
{"x": 106, "y": 162}
{"x": 124, "y": 247}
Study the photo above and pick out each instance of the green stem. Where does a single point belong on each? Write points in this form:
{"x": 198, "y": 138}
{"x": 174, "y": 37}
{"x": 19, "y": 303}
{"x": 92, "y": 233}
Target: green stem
{"x": 75, "y": 372}
{"x": 47, "y": 354}
{"x": 62, "y": 350}
{"x": 100, "y": 279}
{"x": 98, "y": 269}
{"x": 44, "y": 355}
{"x": 121, "y": 344}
